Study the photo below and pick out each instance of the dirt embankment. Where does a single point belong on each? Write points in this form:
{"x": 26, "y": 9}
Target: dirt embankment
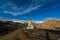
{"x": 36, "y": 34}
{"x": 25, "y": 35}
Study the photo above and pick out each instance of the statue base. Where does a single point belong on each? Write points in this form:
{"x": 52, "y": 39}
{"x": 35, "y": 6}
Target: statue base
{"x": 30, "y": 27}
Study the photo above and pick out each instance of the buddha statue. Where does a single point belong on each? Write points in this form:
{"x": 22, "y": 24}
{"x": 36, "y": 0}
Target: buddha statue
{"x": 30, "y": 24}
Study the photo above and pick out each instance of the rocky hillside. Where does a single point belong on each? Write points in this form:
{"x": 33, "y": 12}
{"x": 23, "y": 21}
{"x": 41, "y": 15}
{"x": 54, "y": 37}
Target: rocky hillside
{"x": 9, "y": 26}
{"x": 49, "y": 24}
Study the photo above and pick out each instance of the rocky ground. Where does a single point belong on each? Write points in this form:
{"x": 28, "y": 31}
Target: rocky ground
{"x": 15, "y": 31}
{"x": 36, "y": 34}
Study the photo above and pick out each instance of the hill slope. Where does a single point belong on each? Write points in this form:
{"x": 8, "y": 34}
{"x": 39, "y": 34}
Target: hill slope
{"x": 49, "y": 24}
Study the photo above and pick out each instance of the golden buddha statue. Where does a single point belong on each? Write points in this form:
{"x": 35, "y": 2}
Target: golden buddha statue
{"x": 30, "y": 24}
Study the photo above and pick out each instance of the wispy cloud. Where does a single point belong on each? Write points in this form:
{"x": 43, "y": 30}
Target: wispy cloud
{"x": 23, "y": 11}
{"x": 38, "y": 21}
{"x": 15, "y": 10}
{"x": 52, "y": 18}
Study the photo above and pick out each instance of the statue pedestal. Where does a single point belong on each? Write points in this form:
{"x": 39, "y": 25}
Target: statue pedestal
{"x": 31, "y": 27}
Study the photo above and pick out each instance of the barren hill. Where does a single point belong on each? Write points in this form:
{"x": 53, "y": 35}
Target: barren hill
{"x": 9, "y": 26}
{"x": 49, "y": 24}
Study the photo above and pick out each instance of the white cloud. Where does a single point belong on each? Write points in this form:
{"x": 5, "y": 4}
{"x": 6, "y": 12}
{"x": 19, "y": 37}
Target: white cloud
{"x": 20, "y": 21}
{"x": 38, "y": 21}
{"x": 13, "y": 20}
{"x": 20, "y": 10}
{"x": 23, "y": 11}
{"x": 52, "y": 18}
{"x": 13, "y": 13}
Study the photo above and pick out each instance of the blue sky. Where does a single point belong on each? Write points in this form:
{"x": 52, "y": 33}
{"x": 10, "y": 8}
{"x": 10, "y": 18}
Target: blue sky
{"x": 37, "y": 10}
